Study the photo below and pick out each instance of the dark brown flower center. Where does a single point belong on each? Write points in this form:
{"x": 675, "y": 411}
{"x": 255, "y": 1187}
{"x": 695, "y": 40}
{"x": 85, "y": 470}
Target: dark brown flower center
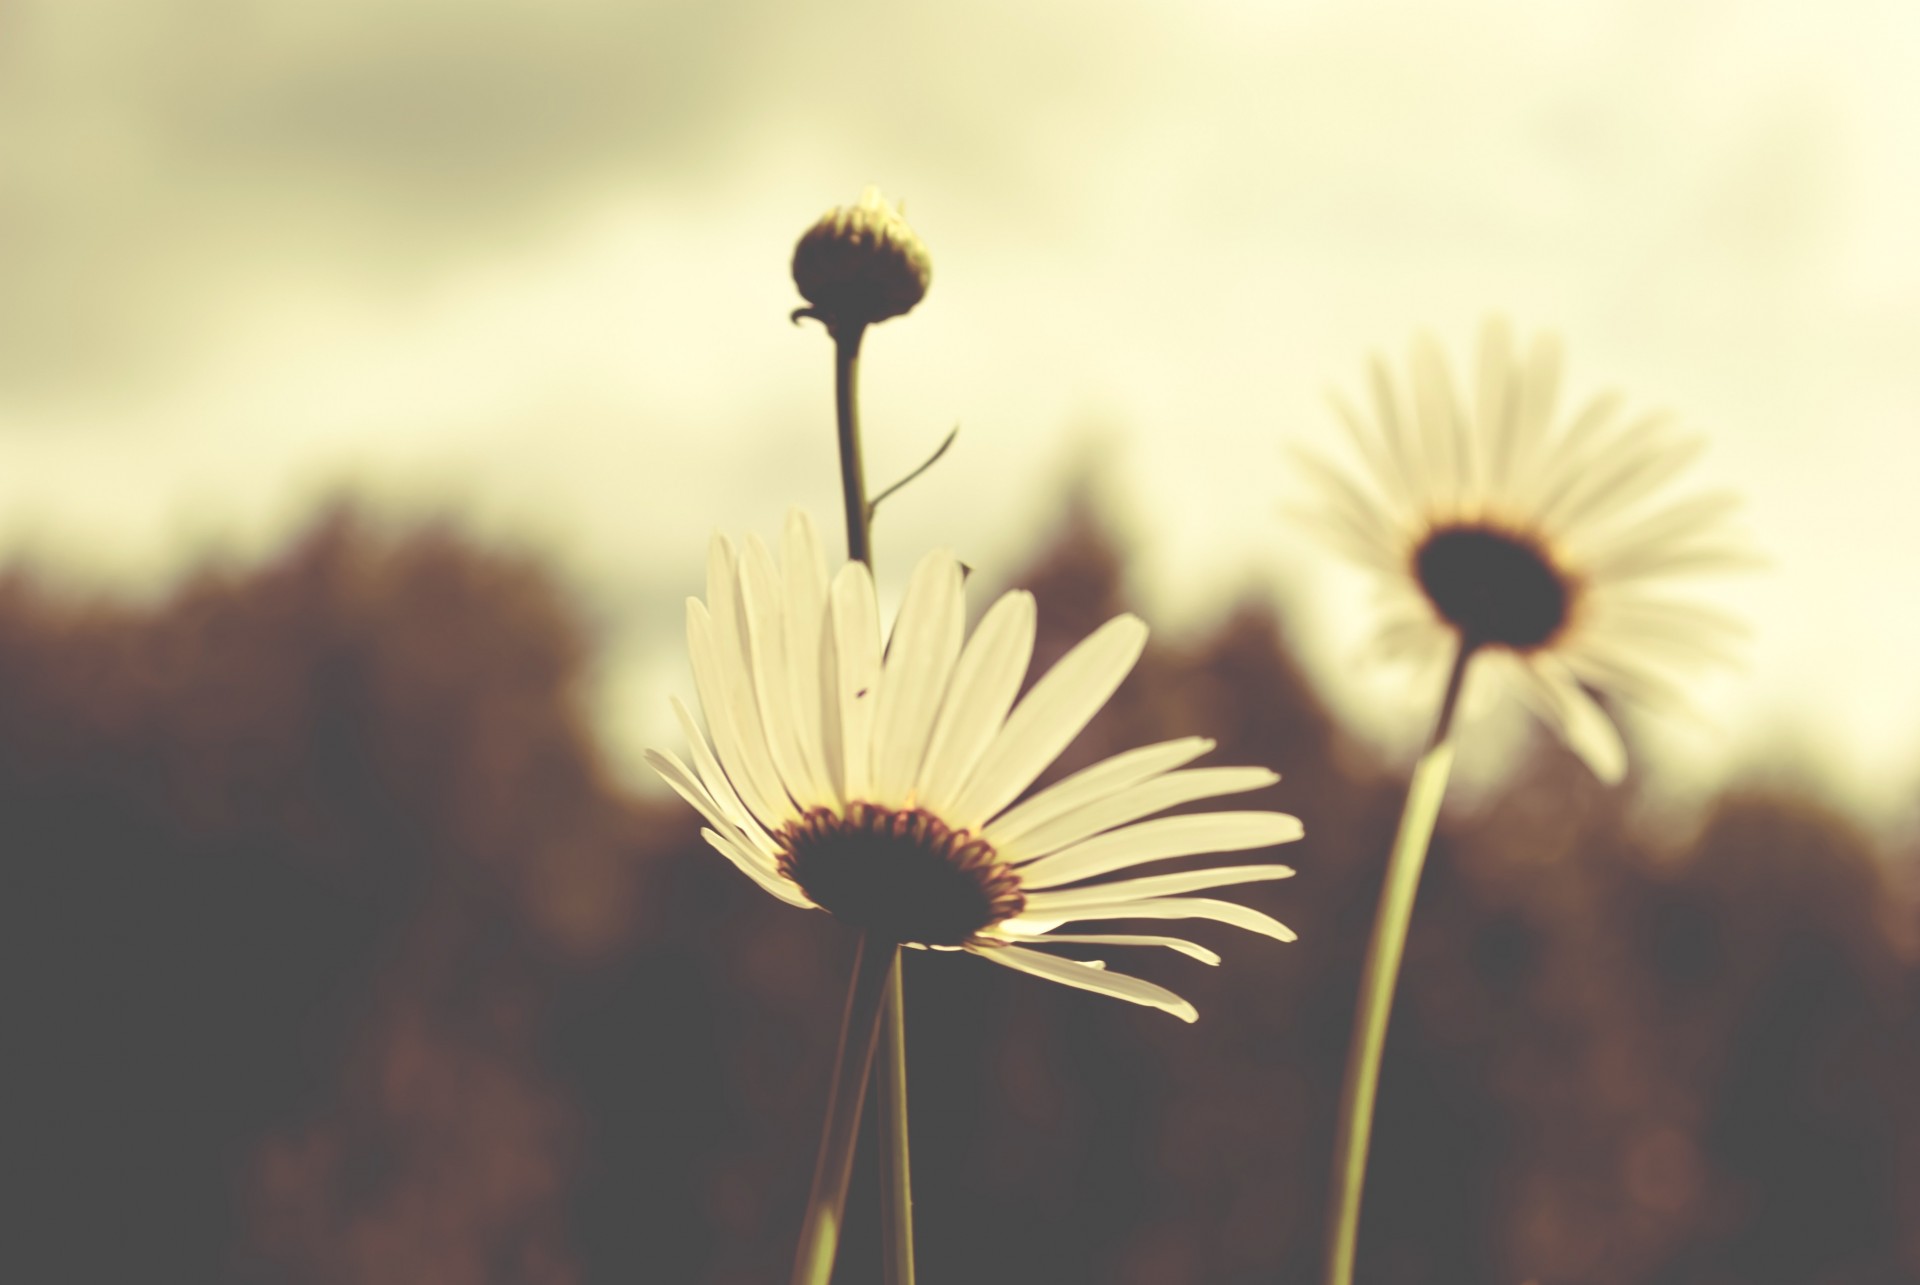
{"x": 902, "y": 875}
{"x": 1497, "y": 588}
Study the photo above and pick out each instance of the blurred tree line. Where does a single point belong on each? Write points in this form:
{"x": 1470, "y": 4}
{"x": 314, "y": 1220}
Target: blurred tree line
{"x": 335, "y": 956}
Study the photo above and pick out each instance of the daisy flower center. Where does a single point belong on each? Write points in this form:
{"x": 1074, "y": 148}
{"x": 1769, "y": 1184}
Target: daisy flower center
{"x": 1497, "y": 588}
{"x": 902, "y": 875}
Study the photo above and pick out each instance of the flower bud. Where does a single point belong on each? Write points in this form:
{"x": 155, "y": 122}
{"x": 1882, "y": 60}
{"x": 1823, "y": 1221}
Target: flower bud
{"x": 861, "y": 263}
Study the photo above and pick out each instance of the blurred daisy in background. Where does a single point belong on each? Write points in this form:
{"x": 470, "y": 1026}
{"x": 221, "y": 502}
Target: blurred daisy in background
{"x": 875, "y": 781}
{"x": 1547, "y": 552}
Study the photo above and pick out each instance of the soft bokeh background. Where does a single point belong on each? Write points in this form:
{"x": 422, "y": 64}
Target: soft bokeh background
{"x": 353, "y": 943}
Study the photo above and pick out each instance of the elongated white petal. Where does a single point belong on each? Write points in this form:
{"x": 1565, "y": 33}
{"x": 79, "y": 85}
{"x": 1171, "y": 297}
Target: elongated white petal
{"x": 919, "y": 662}
{"x": 770, "y": 881}
{"x": 675, "y": 774}
{"x": 1192, "y": 950}
{"x": 1225, "y": 912}
{"x": 1382, "y": 467}
{"x": 744, "y": 756}
{"x": 1143, "y": 800}
{"x": 1585, "y": 728}
{"x": 1396, "y": 433}
{"x": 1088, "y": 977}
{"x": 1049, "y": 905}
{"x": 804, "y": 581}
{"x": 1443, "y": 445}
{"x": 985, "y": 681}
{"x": 1092, "y": 784}
{"x": 1496, "y": 406}
{"x": 715, "y": 780}
{"x": 766, "y": 640}
{"x": 1160, "y": 840}
{"x": 1049, "y": 717}
{"x": 854, "y": 658}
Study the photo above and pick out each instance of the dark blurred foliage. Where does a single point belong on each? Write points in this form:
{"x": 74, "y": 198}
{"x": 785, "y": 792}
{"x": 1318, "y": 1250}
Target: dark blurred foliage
{"x": 334, "y": 956}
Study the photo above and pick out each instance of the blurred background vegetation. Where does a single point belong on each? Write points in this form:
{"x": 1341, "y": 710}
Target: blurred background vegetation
{"x": 336, "y": 955}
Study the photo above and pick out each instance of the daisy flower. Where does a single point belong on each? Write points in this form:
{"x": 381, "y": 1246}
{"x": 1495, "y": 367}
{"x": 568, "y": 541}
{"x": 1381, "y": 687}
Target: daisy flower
{"x": 878, "y": 783}
{"x": 1545, "y": 551}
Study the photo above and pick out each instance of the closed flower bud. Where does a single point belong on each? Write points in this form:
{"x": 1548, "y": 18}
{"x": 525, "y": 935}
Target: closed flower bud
{"x": 861, "y": 264}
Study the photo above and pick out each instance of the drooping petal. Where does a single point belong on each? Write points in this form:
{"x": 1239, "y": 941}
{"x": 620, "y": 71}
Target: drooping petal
{"x": 1225, "y": 912}
{"x": 746, "y": 861}
{"x": 1192, "y": 950}
{"x": 1073, "y": 972}
{"x": 1050, "y": 905}
{"x": 1558, "y": 698}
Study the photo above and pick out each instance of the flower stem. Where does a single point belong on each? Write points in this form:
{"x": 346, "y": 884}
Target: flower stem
{"x": 896, "y": 1186}
{"x": 853, "y": 469}
{"x": 1382, "y": 971}
{"x": 826, "y": 1203}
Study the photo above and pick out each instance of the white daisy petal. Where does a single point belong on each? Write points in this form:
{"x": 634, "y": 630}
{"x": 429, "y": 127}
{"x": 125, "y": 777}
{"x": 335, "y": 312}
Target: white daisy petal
{"x": 766, "y": 641}
{"x": 1092, "y": 784}
{"x": 920, "y": 660}
{"x": 985, "y": 681}
{"x": 1048, "y": 717}
{"x": 684, "y": 783}
{"x": 804, "y": 582}
{"x": 1395, "y": 435}
{"x": 1225, "y": 912}
{"x": 1191, "y": 950}
{"x": 719, "y": 682}
{"x": 1161, "y": 840}
{"x": 1089, "y": 977}
{"x": 1154, "y": 796}
{"x": 1051, "y": 905}
{"x": 718, "y": 787}
{"x": 1559, "y": 699}
{"x": 744, "y": 860}
{"x": 855, "y": 662}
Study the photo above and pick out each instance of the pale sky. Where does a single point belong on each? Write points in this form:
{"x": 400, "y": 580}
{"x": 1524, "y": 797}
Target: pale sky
{"x": 526, "y": 261}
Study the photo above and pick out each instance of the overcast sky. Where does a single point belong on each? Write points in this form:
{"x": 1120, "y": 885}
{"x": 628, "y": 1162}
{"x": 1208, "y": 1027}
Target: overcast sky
{"x": 525, "y": 260}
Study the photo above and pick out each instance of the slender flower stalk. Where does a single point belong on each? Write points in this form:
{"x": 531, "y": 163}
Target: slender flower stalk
{"x": 1382, "y": 974}
{"x": 896, "y": 1167}
{"x": 820, "y": 1232}
{"x": 862, "y": 278}
{"x": 1542, "y": 553}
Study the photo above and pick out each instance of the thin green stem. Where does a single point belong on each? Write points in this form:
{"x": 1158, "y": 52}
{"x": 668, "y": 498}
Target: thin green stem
{"x": 896, "y": 1186}
{"x": 826, "y": 1203}
{"x": 853, "y": 469}
{"x": 1382, "y": 971}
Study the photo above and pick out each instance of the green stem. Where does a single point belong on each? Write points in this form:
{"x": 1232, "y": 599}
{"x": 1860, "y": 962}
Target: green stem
{"x": 826, "y": 1203}
{"x": 1410, "y": 843}
{"x": 853, "y": 470}
{"x": 896, "y": 1186}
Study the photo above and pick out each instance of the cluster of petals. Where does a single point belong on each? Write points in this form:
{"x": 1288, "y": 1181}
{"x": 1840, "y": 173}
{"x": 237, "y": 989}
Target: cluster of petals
{"x": 1591, "y": 498}
{"x": 811, "y": 711}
